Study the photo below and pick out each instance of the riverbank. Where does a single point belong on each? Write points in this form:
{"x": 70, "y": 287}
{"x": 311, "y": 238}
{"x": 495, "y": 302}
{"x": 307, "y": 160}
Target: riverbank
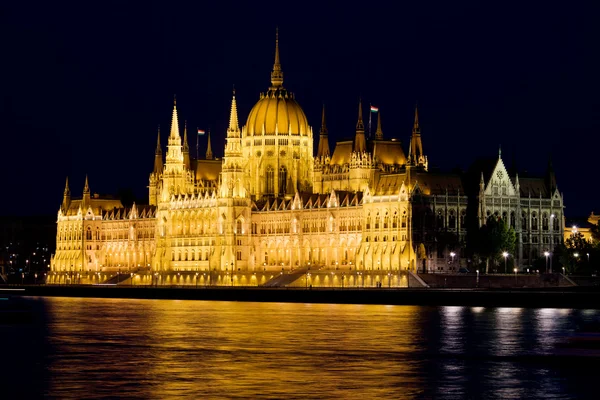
{"x": 550, "y": 297}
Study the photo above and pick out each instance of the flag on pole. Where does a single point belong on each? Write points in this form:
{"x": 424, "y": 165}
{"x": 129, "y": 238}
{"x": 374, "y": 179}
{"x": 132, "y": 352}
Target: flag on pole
{"x": 200, "y": 132}
{"x": 374, "y": 109}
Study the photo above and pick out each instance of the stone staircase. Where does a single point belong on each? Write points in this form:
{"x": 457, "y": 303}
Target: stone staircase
{"x": 116, "y": 279}
{"x": 285, "y": 279}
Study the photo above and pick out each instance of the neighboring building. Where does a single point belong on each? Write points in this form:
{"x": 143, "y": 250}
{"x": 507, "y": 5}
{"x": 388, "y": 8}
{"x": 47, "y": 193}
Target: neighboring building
{"x": 581, "y": 225}
{"x": 368, "y": 209}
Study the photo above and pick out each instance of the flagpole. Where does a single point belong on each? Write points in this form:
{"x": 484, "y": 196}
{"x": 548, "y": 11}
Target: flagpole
{"x": 370, "y": 112}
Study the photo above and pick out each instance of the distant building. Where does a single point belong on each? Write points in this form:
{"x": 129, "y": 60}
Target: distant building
{"x": 581, "y": 225}
{"x": 368, "y": 209}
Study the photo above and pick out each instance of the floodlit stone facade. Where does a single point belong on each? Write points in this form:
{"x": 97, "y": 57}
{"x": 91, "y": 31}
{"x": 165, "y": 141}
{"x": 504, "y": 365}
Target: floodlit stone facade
{"x": 368, "y": 212}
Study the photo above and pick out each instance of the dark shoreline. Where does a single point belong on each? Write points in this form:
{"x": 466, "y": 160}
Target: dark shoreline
{"x": 579, "y": 297}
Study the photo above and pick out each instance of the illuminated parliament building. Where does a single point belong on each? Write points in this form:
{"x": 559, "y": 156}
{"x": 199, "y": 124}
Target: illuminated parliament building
{"x": 273, "y": 211}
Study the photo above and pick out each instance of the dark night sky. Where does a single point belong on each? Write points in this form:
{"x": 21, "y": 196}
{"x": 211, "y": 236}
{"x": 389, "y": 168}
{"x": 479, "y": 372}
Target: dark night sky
{"x": 86, "y": 84}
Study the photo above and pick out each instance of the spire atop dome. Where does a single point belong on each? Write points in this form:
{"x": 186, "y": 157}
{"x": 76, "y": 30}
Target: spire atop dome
{"x": 379, "y": 132}
{"x": 174, "y": 121}
{"x": 209, "y": 154}
{"x": 277, "y": 73}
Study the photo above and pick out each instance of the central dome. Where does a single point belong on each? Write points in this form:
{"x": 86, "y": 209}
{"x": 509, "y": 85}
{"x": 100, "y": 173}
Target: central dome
{"x": 277, "y": 113}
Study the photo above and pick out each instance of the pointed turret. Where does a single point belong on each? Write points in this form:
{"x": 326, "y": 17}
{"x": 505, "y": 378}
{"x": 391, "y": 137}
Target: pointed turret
{"x": 174, "y": 150}
{"x": 158, "y": 161}
{"x": 379, "y": 132}
{"x": 186, "y": 147}
{"x": 415, "y": 151}
{"x": 233, "y": 131}
{"x": 550, "y": 177}
{"x": 323, "y": 150}
{"x": 66, "y": 197}
{"x": 174, "y": 121}
{"x": 86, "y": 194}
{"x": 360, "y": 144}
{"x": 209, "y": 154}
{"x": 277, "y": 73}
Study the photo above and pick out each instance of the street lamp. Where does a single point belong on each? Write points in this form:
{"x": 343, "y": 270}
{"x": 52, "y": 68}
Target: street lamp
{"x": 452, "y": 254}
{"x": 515, "y": 275}
{"x": 477, "y": 283}
{"x": 505, "y": 255}
{"x": 546, "y": 254}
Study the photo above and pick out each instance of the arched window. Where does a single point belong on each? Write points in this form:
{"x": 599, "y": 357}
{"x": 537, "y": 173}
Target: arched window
{"x": 386, "y": 220}
{"x": 404, "y": 219}
{"x": 440, "y": 220}
{"x": 452, "y": 220}
{"x": 395, "y": 220}
{"x": 524, "y": 220}
{"x": 512, "y": 219}
{"x": 368, "y": 221}
{"x": 463, "y": 214}
{"x": 377, "y": 220}
{"x": 238, "y": 228}
{"x": 88, "y": 234}
{"x": 544, "y": 222}
{"x": 534, "y": 221}
{"x": 270, "y": 183}
{"x": 555, "y": 224}
{"x": 282, "y": 179}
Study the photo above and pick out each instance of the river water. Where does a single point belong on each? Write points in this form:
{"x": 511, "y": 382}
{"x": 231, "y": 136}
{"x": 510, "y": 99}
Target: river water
{"x": 159, "y": 349}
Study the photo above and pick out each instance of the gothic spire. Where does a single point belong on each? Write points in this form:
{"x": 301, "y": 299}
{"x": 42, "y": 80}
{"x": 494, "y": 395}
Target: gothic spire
{"x": 186, "y": 147}
{"x": 277, "y": 73}
{"x": 323, "y": 150}
{"x": 360, "y": 143}
{"x": 174, "y": 121}
{"x": 158, "y": 148}
{"x": 416, "y": 128}
{"x": 67, "y": 191}
{"x": 234, "y": 127}
{"x": 158, "y": 160}
{"x": 379, "y": 132}
{"x": 86, "y": 187}
{"x": 209, "y": 154}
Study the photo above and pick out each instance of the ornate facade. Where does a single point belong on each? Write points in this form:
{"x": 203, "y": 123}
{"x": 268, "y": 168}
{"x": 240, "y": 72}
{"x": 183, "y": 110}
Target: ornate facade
{"x": 270, "y": 208}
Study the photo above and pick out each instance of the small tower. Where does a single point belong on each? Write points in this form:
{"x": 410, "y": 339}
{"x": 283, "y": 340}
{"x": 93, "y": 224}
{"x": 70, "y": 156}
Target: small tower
{"x": 323, "y": 150}
{"x": 209, "y": 153}
{"x": 86, "y": 195}
{"x": 186, "y": 147}
{"x": 66, "y": 197}
{"x": 379, "y": 132}
{"x": 158, "y": 161}
{"x": 415, "y": 151}
{"x": 360, "y": 143}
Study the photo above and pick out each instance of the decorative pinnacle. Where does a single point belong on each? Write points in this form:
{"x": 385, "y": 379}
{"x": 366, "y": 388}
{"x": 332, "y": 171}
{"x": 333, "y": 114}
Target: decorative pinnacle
{"x": 277, "y": 73}
{"x": 379, "y": 132}
{"x": 359, "y": 125}
{"x": 323, "y": 126}
{"x": 67, "y": 190}
{"x": 416, "y": 128}
{"x": 158, "y": 148}
{"x": 174, "y": 121}
{"x": 233, "y": 116}
{"x": 86, "y": 188}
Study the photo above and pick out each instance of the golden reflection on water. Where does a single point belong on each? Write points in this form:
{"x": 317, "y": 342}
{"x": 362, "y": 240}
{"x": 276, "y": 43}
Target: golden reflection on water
{"x": 166, "y": 348}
